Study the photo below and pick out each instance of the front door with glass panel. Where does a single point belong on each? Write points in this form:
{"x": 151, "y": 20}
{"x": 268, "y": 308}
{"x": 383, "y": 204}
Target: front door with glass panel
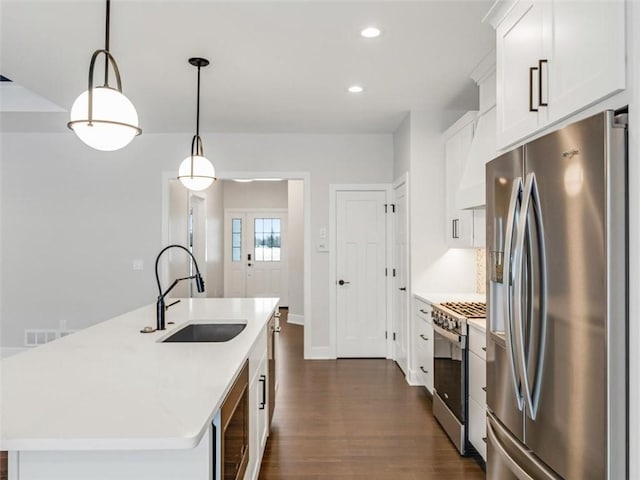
{"x": 255, "y": 254}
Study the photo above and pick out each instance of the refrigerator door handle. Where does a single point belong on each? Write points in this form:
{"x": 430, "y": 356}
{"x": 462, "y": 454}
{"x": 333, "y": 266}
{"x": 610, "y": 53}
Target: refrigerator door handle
{"x": 517, "y": 470}
{"x": 525, "y": 466}
{"x": 542, "y": 255}
{"x": 512, "y": 218}
{"x": 531, "y": 197}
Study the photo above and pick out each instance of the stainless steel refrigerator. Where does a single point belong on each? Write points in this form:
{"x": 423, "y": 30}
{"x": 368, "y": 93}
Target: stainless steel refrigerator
{"x": 557, "y": 305}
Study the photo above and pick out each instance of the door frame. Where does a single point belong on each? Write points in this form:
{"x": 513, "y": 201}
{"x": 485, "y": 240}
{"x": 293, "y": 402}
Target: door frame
{"x": 404, "y": 178}
{"x": 334, "y": 188}
{"x": 244, "y": 211}
{"x": 309, "y": 352}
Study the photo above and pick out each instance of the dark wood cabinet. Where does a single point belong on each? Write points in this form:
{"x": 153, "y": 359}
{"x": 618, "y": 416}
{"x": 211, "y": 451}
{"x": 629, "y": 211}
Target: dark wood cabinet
{"x": 235, "y": 428}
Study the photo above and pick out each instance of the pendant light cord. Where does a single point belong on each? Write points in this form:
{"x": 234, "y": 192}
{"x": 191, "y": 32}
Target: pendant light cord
{"x": 198, "y": 106}
{"x": 106, "y": 43}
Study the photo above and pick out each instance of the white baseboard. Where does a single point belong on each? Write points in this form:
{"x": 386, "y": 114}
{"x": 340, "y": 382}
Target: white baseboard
{"x": 9, "y": 351}
{"x": 320, "y": 353}
{"x": 295, "y": 319}
{"x": 412, "y": 379}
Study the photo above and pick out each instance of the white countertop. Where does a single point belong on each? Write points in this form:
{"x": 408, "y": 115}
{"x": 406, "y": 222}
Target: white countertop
{"x": 110, "y": 387}
{"x": 450, "y": 297}
{"x": 478, "y": 323}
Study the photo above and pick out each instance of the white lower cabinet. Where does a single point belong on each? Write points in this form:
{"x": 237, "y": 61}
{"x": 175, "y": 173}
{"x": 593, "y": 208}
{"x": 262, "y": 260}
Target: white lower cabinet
{"x": 478, "y": 427}
{"x": 258, "y": 406}
{"x": 477, "y": 390}
{"x": 423, "y": 343}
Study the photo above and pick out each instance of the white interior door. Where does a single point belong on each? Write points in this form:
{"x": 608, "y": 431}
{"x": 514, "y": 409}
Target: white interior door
{"x": 235, "y": 264}
{"x": 267, "y": 273}
{"x": 400, "y": 280}
{"x": 360, "y": 266}
{"x": 255, "y": 250}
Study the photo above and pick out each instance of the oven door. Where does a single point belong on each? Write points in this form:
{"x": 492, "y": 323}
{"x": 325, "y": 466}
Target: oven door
{"x": 450, "y": 367}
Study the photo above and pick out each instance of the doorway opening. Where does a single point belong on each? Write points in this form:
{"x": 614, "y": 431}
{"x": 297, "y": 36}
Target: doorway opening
{"x": 252, "y": 232}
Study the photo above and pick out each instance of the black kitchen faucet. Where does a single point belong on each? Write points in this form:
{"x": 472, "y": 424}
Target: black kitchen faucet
{"x": 160, "y": 306}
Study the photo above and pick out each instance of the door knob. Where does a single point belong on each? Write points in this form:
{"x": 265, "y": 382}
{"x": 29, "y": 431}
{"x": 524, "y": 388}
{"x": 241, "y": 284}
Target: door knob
{"x": 403, "y": 289}
{"x": 342, "y": 282}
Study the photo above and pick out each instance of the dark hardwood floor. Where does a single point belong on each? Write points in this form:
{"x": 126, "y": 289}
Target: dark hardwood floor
{"x": 354, "y": 419}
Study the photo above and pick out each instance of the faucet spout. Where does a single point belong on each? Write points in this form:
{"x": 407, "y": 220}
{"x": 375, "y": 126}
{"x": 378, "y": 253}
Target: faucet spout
{"x": 160, "y": 305}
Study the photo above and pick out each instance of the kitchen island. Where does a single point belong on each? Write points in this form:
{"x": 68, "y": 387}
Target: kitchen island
{"x": 111, "y": 402}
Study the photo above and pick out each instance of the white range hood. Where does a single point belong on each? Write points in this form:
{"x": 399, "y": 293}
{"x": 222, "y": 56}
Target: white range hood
{"x": 471, "y": 190}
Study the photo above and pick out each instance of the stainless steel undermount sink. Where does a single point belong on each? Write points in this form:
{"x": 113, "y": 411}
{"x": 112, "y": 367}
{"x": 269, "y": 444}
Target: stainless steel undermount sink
{"x": 207, "y": 332}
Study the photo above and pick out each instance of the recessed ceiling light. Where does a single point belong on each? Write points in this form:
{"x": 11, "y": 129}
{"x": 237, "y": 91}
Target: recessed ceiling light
{"x": 370, "y": 32}
{"x": 355, "y": 89}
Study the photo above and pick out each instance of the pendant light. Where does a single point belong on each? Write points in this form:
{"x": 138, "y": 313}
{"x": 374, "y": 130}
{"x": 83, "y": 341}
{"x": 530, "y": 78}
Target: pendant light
{"x": 196, "y": 172}
{"x": 103, "y": 117}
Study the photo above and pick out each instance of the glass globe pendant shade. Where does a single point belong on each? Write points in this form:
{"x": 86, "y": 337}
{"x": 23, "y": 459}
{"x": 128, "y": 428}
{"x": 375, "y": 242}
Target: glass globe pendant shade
{"x": 200, "y": 177}
{"x": 114, "y": 121}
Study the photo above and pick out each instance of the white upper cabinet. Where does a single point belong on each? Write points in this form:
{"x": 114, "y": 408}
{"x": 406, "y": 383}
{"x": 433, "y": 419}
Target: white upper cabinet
{"x": 459, "y": 223}
{"x": 459, "y": 227}
{"x": 553, "y": 59}
{"x": 519, "y": 48}
{"x": 587, "y": 54}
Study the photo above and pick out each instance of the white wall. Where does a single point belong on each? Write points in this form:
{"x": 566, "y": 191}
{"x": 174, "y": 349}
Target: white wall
{"x": 295, "y": 237}
{"x": 402, "y": 148}
{"x": 255, "y": 194}
{"x": 436, "y": 268}
{"x": 419, "y": 150}
{"x": 214, "y": 281}
{"x": 73, "y": 219}
{"x": 211, "y": 266}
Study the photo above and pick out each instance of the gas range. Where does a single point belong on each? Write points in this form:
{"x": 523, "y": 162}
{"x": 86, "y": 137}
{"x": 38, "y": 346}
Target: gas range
{"x": 450, "y": 375}
{"x": 452, "y": 316}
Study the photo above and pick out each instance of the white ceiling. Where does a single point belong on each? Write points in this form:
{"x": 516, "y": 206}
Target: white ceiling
{"x": 277, "y": 66}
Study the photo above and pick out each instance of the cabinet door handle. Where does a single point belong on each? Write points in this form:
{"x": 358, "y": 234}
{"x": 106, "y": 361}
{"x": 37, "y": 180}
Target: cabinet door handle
{"x": 426, "y": 339}
{"x": 540, "y": 102}
{"x": 423, "y": 370}
{"x": 454, "y": 228}
{"x": 531, "y": 70}
{"x": 484, "y": 439}
{"x": 423, "y": 311}
{"x": 263, "y": 379}
{"x": 403, "y": 289}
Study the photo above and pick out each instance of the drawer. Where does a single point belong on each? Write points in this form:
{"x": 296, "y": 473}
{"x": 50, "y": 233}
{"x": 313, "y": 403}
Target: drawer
{"x": 478, "y": 427}
{"x": 478, "y": 342}
{"x": 424, "y": 331}
{"x": 422, "y": 310}
{"x": 257, "y": 354}
{"x": 477, "y": 378}
{"x": 424, "y": 364}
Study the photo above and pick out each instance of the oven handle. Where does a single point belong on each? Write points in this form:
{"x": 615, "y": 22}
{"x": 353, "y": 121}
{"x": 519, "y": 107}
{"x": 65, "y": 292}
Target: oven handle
{"x": 452, "y": 337}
